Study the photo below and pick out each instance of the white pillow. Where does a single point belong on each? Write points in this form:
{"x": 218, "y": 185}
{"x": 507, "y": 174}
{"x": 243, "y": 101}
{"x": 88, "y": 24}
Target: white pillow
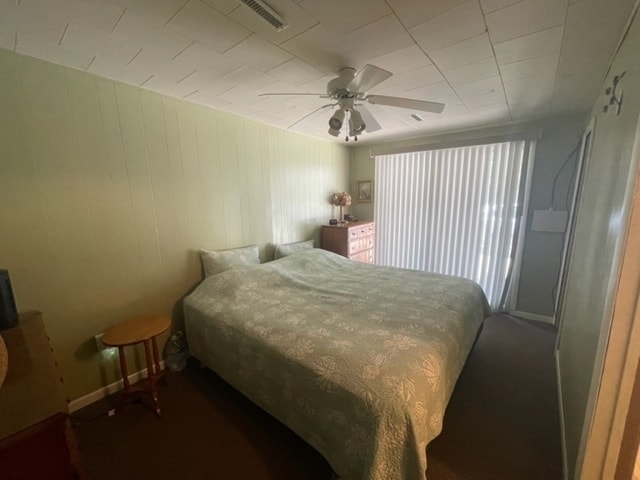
{"x": 216, "y": 261}
{"x": 284, "y": 249}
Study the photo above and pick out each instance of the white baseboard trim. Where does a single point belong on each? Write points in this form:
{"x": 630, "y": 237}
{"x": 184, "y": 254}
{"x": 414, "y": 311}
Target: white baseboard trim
{"x": 563, "y": 437}
{"x": 103, "y": 392}
{"x": 533, "y": 316}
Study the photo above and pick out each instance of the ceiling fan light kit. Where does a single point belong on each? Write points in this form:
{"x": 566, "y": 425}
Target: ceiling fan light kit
{"x": 356, "y": 124}
{"x": 349, "y": 90}
{"x": 336, "y": 121}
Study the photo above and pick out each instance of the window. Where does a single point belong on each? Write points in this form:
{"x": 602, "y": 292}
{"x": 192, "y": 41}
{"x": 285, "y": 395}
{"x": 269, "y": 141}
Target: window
{"x": 454, "y": 211}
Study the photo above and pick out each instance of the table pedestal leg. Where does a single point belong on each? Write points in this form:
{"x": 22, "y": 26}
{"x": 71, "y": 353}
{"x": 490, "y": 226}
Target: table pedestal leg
{"x": 151, "y": 371}
{"x": 156, "y": 358}
{"x": 123, "y": 369}
{"x": 125, "y": 378}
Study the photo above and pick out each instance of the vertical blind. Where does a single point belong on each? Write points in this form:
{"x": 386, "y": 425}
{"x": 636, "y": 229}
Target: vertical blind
{"x": 453, "y": 211}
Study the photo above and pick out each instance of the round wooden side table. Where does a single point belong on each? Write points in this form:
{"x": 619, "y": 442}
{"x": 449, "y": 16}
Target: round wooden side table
{"x": 141, "y": 329}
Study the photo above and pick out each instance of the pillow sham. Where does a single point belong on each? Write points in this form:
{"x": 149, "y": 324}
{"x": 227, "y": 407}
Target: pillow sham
{"x": 216, "y": 261}
{"x": 284, "y": 249}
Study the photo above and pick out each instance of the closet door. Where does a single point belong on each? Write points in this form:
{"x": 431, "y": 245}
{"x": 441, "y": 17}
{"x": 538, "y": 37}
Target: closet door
{"x": 583, "y": 157}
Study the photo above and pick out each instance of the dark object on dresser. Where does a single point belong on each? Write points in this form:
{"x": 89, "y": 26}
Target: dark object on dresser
{"x": 8, "y": 311}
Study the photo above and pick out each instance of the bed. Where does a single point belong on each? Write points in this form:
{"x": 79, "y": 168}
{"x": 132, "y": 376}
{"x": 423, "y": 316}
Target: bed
{"x": 359, "y": 360}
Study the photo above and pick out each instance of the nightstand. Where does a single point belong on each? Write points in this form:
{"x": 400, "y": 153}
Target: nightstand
{"x": 142, "y": 329}
{"x": 355, "y": 241}
{"x": 36, "y": 438}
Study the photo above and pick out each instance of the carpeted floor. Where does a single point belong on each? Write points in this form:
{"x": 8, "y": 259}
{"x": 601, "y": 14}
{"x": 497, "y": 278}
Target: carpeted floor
{"x": 501, "y": 424}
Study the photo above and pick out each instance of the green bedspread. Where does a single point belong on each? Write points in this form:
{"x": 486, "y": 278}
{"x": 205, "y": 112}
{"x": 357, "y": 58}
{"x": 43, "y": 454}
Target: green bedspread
{"x": 359, "y": 360}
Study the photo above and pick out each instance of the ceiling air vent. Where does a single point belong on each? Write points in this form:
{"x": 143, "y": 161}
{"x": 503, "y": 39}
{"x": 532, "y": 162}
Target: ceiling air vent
{"x": 266, "y": 12}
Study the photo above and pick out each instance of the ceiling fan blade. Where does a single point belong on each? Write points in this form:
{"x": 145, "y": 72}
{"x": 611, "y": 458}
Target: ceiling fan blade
{"x": 321, "y": 95}
{"x": 369, "y": 120}
{"x": 422, "y": 105}
{"x": 311, "y": 115}
{"x": 368, "y": 77}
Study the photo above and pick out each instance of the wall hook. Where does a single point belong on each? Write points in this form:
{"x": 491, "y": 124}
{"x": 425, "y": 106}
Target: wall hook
{"x": 615, "y": 98}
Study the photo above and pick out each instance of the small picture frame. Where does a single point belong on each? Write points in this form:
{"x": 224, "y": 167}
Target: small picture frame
{"x": 365, "y": 191}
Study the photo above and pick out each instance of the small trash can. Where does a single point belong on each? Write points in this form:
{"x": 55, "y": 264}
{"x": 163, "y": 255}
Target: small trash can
{"x": 176, "y": 352}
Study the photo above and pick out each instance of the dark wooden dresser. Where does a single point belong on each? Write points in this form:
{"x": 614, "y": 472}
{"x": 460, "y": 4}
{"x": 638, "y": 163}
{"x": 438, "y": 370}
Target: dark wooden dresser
{"x": 36, "y": 438}
{"x": 355, "y": 241}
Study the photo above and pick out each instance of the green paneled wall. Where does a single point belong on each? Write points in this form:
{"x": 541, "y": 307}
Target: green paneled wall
{"x": 108, "y": 191}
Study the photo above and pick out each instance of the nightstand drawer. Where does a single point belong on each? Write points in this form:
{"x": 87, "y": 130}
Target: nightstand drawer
{"x": 364, "y": 257}
{"x": 360, "y": 244}
{"x": 361, "y": 230}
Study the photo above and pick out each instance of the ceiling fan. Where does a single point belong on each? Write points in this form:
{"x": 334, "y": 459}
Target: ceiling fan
{"x": 349, "y": 91}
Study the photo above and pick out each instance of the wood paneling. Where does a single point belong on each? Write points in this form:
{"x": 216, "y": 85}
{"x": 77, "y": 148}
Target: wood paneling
{"x": 108, "y": 191}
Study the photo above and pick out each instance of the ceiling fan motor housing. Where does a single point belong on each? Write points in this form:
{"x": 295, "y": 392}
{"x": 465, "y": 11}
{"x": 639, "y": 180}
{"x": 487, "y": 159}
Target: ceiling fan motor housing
{"x": 345, "y": 75}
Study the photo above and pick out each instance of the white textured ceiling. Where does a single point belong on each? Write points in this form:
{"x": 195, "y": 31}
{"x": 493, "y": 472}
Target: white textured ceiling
{"x": 490, "y": 61}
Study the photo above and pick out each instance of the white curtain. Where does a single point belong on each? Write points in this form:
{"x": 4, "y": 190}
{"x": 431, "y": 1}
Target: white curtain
{"x": 454, "y": 211}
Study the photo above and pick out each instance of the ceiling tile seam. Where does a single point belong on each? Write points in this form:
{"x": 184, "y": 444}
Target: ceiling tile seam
{"x": 176, "y": 12}
{"x": 488, "y": 104}
{"x": 529, "y": 34}
{"x": 266, "y": 72}
{"x": 562, "y": 44}
{"x": 534, "y": 57}
{"x": 297, "y": 35}
{"x": 561, "y": 24}
{"x": 193, "y": 42}
{"x": 427, "y": 85}
{"x": 440, "y": 15}
{"x": 135, "y": 56}
{"x": 478, "y": 79}
{"x": 422, "y": 49}
{"x": 352, "y": 32}
{"x": 501, "y": 8}
{"x": 473, "y": 63}
{"x": 245, "y": 38}
{"x": 219, "y": 95}
{"x": 518, "y": 79}
{"x": 231, "y": 12}
{"x": 493, "y": 49}
{"x": 145, "y": 81}
{"x": 189, "y": 94}
{"x": 486, "y": 30}
{"x": 115, "y": 25}
{"x": 86, "y": 69}
{"x": 64, "y": 32}
{"x": 186, "y": 76}
{"x": 409, "y": 33}
{"x": 15, "y": 42}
